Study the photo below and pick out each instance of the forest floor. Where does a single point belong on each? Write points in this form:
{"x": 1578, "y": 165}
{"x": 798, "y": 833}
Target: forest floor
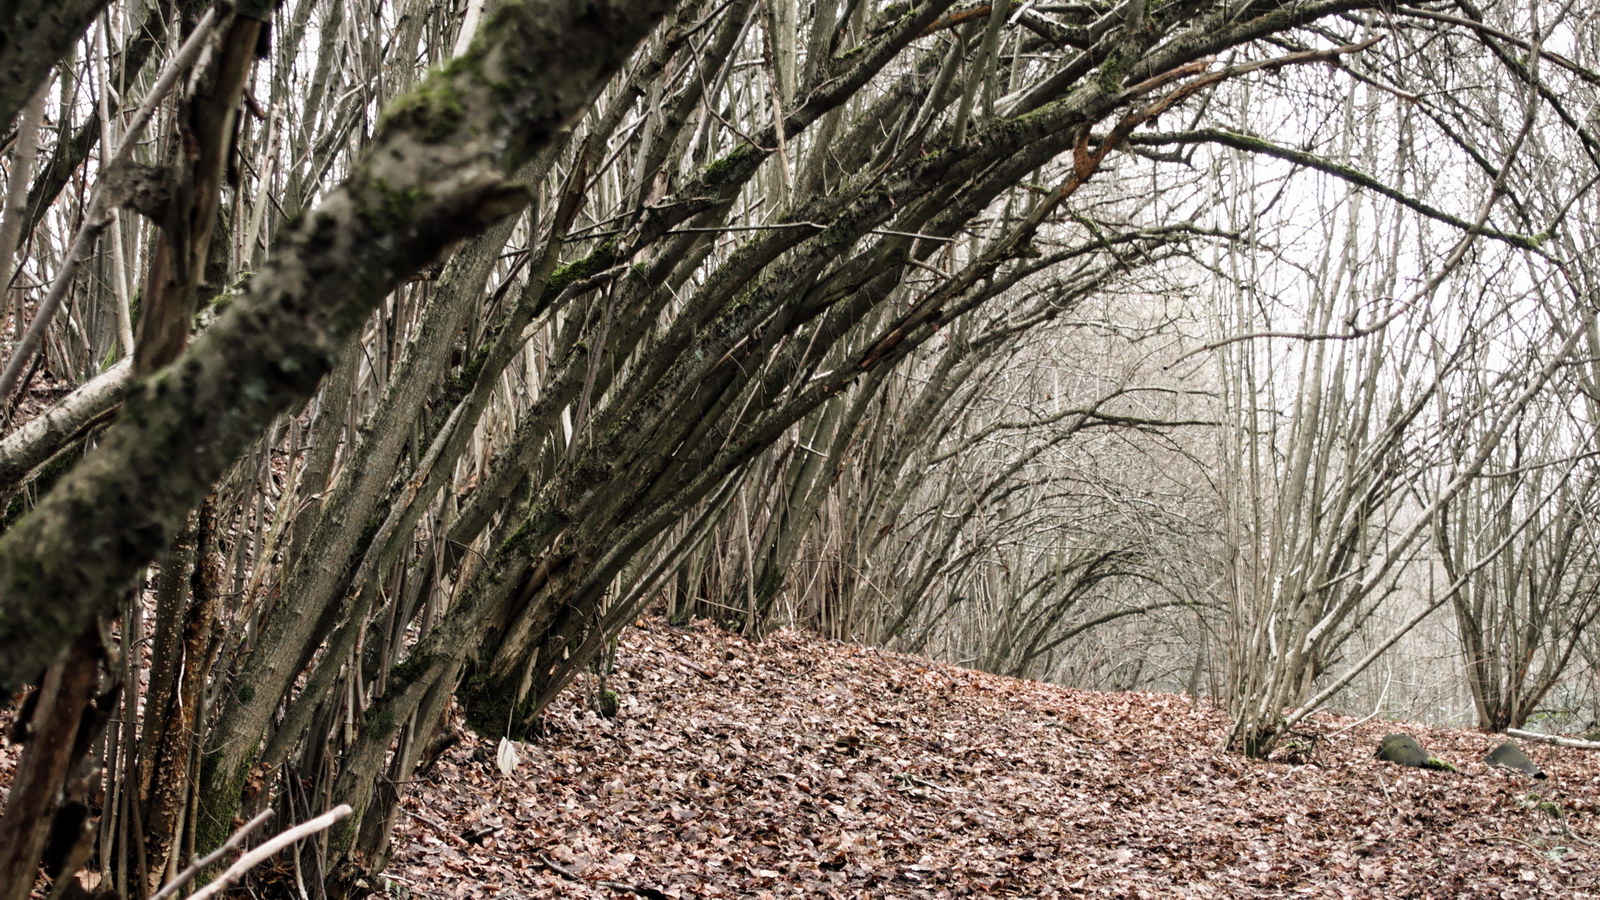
{"x": 797, "y": 767}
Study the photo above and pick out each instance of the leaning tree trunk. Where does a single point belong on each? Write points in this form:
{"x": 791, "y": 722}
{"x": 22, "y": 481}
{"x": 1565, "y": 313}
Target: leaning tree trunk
{"x": 437, "y": 171}
{"x": 34, "y": 34}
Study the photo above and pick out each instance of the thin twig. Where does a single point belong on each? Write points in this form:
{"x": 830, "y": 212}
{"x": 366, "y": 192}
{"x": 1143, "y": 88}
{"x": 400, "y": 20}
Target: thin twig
{"x": 435, "y": 824}
{"x": 199, "y": 863}
{"x": 267, "y": 850}
{"x": 1376, "y": 708}
{"x": 1487, "y": 30}
{"x": 559, "y": 869}
{"x": 15, "y": 207}
{"x": 1386, "y": 795}
{"x": 619, "y": 886}
{"x": 938, "y": 787}
{"x": 98, "y": 215}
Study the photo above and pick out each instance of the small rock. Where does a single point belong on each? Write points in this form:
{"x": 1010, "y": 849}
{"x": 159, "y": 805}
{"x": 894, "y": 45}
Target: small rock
{"x": 1509, "y": 756}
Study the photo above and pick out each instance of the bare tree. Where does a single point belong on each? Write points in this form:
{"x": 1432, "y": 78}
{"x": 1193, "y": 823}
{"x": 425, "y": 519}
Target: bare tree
{"x": 476, "y": 376}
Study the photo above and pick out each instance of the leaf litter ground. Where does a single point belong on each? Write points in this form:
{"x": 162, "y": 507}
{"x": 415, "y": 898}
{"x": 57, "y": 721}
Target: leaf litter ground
{"x": 796, "y": 767}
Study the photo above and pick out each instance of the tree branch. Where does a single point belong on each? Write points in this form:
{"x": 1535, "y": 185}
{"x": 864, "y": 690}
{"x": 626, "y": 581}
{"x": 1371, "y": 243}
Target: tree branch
{"x": 266, "y": 851}
{"x": 437, "y": 171}
{"x": 33, "y": 35}
{"x": 1253, "y": 144}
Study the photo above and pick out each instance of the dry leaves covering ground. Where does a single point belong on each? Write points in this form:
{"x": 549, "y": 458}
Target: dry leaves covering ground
{"x": 802, "y": 768}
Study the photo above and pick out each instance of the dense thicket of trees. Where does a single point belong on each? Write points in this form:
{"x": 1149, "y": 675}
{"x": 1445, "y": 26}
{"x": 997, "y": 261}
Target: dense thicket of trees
{"x": 376, "y": 356}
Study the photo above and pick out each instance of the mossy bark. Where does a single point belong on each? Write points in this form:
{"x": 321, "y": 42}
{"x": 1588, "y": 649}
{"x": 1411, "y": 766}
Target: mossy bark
{"x": 33, "y": 35}
{"x": 433, "y": 175}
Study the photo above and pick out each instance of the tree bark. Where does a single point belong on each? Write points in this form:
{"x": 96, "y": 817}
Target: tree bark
{"x": 435, "y": 173}
{"x": 34, "y": 34}
{"x": 62, "y": 723}
{"x": 41, "y": 438}
{"x": 177, "y": 268}
{"x": 1557, "y": 740}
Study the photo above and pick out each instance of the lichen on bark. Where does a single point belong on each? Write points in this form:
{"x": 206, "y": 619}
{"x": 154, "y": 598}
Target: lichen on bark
{"x": 437, "y": 172}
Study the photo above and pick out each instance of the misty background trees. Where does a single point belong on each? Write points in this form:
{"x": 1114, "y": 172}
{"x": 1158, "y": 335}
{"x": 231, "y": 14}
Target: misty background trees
{"x": 373, "y": 360}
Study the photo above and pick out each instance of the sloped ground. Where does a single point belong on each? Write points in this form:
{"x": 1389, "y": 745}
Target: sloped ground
{"x": 803, "y": 768}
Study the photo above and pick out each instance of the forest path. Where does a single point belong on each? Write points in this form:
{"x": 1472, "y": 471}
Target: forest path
{"x": 797, "y": 767}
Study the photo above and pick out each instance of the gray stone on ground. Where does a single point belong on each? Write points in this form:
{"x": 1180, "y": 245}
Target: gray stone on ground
{"x": 1509, "y": 756}
{"x": 1404, "y": 750}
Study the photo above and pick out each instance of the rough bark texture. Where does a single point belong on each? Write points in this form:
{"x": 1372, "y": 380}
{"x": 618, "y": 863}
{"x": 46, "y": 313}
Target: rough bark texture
{"x": 34, "y": 443}
{"x": 34, "y": 34}
{"x": 71, "y": 152}
{"x": 436, "y": 173}
{"x": 60, "y": 713}
{"x": 206, "y": 123}
{"x": 320, "y": 575}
